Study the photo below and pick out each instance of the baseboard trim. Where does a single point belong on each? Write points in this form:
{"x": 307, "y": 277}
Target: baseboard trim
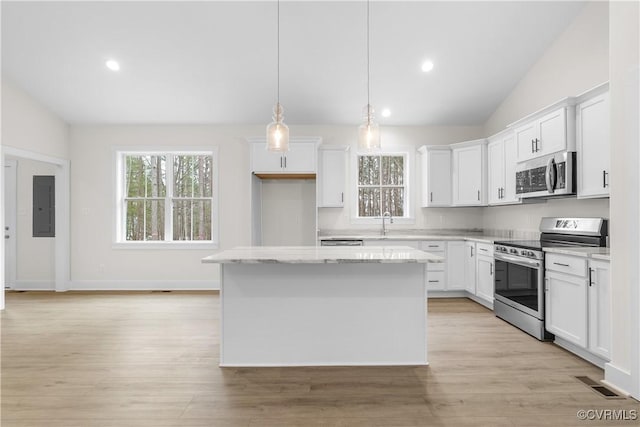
{"x": 618, "y": 378}
{"x": 446, "y": 294}
{"x": 144, "y": 285}
{"x": 33, "y": 285}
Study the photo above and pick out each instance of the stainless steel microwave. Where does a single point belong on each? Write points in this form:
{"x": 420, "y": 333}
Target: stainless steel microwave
{"x": 549, "y": 176}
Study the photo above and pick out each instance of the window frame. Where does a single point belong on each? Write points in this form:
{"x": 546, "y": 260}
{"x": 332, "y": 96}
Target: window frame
{"x": 408, "y": 217}
{"x": 119, "y": 211}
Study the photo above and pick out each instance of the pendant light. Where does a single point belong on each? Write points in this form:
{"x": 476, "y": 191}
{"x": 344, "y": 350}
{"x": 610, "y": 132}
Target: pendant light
{"x": 368, "y": 132}
{"x": 277, "y": 131}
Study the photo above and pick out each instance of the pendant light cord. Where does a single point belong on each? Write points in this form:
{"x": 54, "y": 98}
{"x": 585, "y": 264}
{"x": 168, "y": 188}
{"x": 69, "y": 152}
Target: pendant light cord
{"x": 278, "y": 56}
{"x": 368, "y": 70}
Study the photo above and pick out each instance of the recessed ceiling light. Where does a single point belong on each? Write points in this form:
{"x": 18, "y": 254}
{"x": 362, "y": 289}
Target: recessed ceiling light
{"x": 386, "y": 112}
{"x": 112, "y": 65}
{"x": 427, "y": 66}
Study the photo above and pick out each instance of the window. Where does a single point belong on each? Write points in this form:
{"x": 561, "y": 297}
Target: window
{"x": 166, "y": 197}
{"x": 382, "y": 185}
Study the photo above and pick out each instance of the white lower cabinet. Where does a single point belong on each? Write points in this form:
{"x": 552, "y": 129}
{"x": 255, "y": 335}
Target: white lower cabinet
{"x": 456, "y": 259}
{"x": 577, "y": 305}
{"x": 566, "y": 307}
{"x": 599, "y": 308}
{"x": 484, "y": 283}
{"x": 470, "y": 267}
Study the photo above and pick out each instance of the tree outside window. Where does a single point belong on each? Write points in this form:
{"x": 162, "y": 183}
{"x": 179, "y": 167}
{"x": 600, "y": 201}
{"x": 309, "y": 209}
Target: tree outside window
{"x": 381, "y": 185}
{"x": 167, "y": 197}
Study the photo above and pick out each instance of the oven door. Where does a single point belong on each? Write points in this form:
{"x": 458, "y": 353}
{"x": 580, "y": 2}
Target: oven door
{"x": 519, "y": 284}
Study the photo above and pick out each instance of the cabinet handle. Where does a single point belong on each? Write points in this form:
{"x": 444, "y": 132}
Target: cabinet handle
{"x": 478, "y": 195}
{"x": 502, "y": 191}
{"x": 280, "y": 162}
{"x": 285, "y": 162}
{"x": 532, "y": 146}
{"x": 537, "y": 148}
{"x": 342, "y": 197}
{"x": 490, "y": 269}
{"x": 546, "y": 284}
{"x": 483, "y": 249}
{"x": 471, "y": 247}
{"x": 433, "y": 246}
{"x": 560, "y": 264}
{"x": 431, "y": 196}
{"x": 498, "y": 193}
{"x": 434, "y": 281}
{"x": 590, "y": 277}
{"x": 604, "y": 179}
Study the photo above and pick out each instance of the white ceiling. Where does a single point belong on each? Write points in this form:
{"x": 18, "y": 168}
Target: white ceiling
{"x": 215, "y": 62}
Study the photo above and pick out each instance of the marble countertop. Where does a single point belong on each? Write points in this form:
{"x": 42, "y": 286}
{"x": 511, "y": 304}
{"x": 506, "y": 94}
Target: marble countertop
{"x": 595, "y": 253}
{"x": 483, "y": 238}
{"x": 321, "y": 255}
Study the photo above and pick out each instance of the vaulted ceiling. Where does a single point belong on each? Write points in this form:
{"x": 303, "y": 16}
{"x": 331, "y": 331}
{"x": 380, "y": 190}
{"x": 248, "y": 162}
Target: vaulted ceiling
{"x": 215, "y": 62}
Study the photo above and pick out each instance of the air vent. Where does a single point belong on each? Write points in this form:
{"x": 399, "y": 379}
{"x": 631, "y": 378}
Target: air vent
{"x": 598, "y": 388}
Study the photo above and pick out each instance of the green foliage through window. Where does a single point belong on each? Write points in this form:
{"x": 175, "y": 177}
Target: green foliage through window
{"x": 168, "y": 197}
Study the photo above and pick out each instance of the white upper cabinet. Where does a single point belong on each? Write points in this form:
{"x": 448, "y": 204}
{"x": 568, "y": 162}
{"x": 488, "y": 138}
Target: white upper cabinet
{"x": 547, "y": 131}
{"x": 436, "y": 175}
{"x": 469, "y": 173}
{"x": 332, "y": 164}
{"x": 592, "y": 135}
{"x": 301, "y": 157}
{"x": 502, "y": 160}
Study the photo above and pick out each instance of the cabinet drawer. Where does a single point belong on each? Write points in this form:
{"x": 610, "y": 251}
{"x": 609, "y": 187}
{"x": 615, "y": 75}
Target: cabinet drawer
{"x": 436, "y": 266}
{"x": 433, "y": 246}
{"x": 566, "y": 264}
{"x": 485, "y": 249}
{"x": 435, "y": 281}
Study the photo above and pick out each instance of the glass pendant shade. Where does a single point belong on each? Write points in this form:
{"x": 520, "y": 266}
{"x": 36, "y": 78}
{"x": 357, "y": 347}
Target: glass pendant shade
{"x": 277, "y": 131}
{"x": 368, "y": 132}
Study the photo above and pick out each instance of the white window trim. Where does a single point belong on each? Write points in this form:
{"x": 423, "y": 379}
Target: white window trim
{"x": 118, "y": 211}
{"x": 408, "y": 153}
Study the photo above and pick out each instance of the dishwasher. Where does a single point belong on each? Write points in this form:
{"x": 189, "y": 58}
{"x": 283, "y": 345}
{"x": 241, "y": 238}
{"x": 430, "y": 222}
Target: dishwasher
{"x": 342, "y": 242}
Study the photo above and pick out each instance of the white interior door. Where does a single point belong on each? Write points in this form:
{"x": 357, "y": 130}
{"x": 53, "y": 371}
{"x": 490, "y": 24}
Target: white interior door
{"x": 10, "y": 201}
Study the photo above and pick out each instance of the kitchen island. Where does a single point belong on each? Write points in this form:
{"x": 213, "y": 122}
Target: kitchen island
{"x": 314, "y": 306}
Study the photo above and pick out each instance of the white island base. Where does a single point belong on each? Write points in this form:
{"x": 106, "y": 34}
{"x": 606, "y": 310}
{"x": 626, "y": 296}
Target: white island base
{"x": 361, "y": 313}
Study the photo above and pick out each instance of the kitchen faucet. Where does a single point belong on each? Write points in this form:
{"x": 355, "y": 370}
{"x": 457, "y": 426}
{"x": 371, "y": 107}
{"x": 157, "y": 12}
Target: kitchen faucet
{"x": 384, "y": 228}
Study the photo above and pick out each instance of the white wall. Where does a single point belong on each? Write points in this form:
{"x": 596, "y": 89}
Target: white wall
{"x": 35, "y": 255}
{"x": 575, "y": 62}
{"x": 288, "y": 212}
{"x": 95, "y": 263}
{"x": 624, "y": 369}
{"x": 28, "y": 125}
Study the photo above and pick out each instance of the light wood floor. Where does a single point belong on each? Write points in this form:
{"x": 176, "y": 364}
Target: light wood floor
{"x": 151, "y": 359}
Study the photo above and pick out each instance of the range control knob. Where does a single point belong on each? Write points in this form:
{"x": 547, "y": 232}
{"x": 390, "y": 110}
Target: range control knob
{"x": 514, "y": 251}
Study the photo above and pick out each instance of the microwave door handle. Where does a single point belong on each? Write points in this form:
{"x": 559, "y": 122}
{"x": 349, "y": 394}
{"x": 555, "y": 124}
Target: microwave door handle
{"x": 550, "y": 176}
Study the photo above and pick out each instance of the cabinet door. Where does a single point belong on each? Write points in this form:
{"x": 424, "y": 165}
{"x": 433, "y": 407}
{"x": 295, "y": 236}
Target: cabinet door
{"x": 470, "y": 272}
{"x": 552, "y": 133}
{"x": 510, "y": 161}
{"x": 263, "y": 160}
{"x": 331, "y": 178}
{"x": 496, "y": 171}
{"x": 599, "y": 309}
{"x": 301, "y": 157}
{"x": 439, "y": 178}
{"x": 456, "y": 260}
{"x": 467, "y": 176}
{"x": 566, "y": 307}
{"x": 484, "y": 288}
{"x": 593, "y": 147}
{"x": 525, "y": 136}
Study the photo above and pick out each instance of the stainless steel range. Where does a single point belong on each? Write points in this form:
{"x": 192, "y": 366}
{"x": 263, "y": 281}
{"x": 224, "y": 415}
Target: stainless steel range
{"x": 519, "y": 266}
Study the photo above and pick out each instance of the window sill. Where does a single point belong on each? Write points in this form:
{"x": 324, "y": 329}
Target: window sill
{"x": 378, "y": 220}
{"x": 165, "y": 245}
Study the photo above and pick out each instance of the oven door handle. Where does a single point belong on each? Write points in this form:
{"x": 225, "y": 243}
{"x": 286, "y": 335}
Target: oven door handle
{"x": 518, "y": 261}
